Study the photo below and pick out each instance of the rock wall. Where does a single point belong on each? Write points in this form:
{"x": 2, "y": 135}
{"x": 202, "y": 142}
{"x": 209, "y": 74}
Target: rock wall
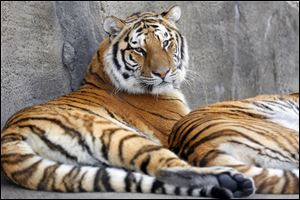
{"x": 237, "y": 49}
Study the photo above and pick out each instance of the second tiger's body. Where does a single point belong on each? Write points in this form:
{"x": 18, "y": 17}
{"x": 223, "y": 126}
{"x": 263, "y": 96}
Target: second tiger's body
{"x": 258, "y": 136}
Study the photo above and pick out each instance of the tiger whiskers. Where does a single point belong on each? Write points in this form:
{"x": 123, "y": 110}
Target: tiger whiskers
{"x": 191, "y": 77}
{"x": 116, "y": 91}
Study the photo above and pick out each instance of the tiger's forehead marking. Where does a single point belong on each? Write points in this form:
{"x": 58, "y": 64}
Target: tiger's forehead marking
{"x": 141, "y": 29}
{"x": 139, "y": 36}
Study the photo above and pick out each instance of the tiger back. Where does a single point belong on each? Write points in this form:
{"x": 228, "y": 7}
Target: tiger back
{"x": 111, "y": 134}
{"x": 258, "y": 136}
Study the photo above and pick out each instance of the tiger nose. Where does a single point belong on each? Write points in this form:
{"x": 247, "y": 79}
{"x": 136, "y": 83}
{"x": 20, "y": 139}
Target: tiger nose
{"x": 162, "y": 73}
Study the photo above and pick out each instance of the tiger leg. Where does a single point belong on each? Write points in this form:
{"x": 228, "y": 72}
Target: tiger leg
{"x": 21, "y": 164}
{"x": 120, "y": 147}
{"x": 267, "y": 180}
{"x": 132, "y": 151}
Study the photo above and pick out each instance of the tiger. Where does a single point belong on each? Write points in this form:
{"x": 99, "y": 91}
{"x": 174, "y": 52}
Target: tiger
{"x": 258, "y": 136}
{"x": 111, "y": 134}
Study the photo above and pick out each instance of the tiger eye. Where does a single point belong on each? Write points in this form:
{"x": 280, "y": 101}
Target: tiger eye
{"x": 165, "y": 43}
{"x": 139, "y": 49}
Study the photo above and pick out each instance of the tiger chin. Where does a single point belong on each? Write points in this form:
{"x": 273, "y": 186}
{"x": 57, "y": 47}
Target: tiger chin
{"x": 258, "y": 136}
{"x": 111, "y": 134}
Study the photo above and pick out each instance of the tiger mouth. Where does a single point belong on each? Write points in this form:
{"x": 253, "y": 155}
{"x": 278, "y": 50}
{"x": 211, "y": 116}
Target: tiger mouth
{"x": 162, "y": 83}
{"x": 151, "y": 86}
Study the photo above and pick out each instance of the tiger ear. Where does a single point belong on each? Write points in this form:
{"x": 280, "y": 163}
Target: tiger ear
{"x": 172, "y": 14}
{"x": 113, "y": 25}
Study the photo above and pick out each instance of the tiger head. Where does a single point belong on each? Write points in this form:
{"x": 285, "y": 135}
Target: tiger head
{"x": 146, "y": 54}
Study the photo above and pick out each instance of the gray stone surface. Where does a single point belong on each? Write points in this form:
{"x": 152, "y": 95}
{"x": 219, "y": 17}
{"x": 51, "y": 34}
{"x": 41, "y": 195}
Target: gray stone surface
{"x": 237, "y": 49}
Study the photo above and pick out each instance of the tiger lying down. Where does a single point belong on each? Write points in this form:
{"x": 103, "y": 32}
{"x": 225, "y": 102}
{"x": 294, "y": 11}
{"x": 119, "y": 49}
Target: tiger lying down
{"x": 257, "y": 136}
{"x": 112, "y": 134}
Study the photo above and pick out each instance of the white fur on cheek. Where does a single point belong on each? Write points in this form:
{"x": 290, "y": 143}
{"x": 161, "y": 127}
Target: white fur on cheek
{"x": 130, "y": 85}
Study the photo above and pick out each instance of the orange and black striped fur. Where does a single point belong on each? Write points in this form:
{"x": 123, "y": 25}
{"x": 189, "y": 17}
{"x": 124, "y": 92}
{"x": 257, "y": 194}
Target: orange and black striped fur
{"x": 110, "y": 135}
{"x": 257, "y": 136}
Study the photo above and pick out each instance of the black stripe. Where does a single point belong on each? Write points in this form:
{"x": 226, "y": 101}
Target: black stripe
{"x": 92, "y": 84}
{"x": 139, "y": 30}
{"x": 285, "y": 185}
{"x": 23, "y": 176}
{"x": 171, "y": 99}
{"x": 11, "y": 118}
{"x": 145, "y": 149}
{"x": 179, "y": 114}
{"x": 182, "y": 132}
{"x": 139, "y": 34}
{"x": 69, "y": 179}
{"x": 178, "y": 130}
{"x": 104, "y": 150}
{"x": 11, "y": 137}
{"x": 97, "y": 181}
{"x": 129, "y": 181}
{"x": 77, "y": 107}
{"x": 154, "y": 26}
{"x": 48, "y": 175}
{"x": 288, "y": 176}
{"x": 153, "y": 113}
{"x": 254, "y": 115}
{"x": 169, "y": 160}
{"x": 139, "y": 186}
{"x": 81, "y": 189}
{"x": 124, "y": 61}
{"x": 110, "y": 133}
{"x": 131, "y": 58}
{"x": 137, "y": 24}
{"x": 207, "y": 157}
{"x": 15, "y": 158}
{"x": 208, "y": 138}
{"x": 121, "y": 144}
{"x": 260, "y": 105}
{"x": 115, "y": 56}
{"x": 151, "y": 20}
{"x": 182, "y": 45}
{"x": 54, "y": 147}
{"x": 75, "y": 97}
{"x": 98, "y": 58}
{"x": 105, "y": 178}
{"x": 95, "y": 96}
{"x": 75, "y": 179}
{"x": 145, "y": 164}
{"x": 184, "y": 145}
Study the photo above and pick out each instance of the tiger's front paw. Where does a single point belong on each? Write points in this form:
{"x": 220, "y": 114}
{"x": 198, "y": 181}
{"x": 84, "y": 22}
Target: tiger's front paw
{"x": 238, "y": 184}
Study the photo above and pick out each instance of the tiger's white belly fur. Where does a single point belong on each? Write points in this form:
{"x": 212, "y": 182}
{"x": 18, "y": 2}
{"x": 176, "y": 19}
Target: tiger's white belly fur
{"x": 283, "y": 112}
{"x": 268, "y": 160}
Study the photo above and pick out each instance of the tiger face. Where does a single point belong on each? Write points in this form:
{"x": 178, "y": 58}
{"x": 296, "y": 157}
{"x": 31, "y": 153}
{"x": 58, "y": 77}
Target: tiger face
{"x": 147, "y": 54}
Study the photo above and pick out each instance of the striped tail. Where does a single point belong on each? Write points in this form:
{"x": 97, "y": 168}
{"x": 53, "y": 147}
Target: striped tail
{"x": 21, "y": 165}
